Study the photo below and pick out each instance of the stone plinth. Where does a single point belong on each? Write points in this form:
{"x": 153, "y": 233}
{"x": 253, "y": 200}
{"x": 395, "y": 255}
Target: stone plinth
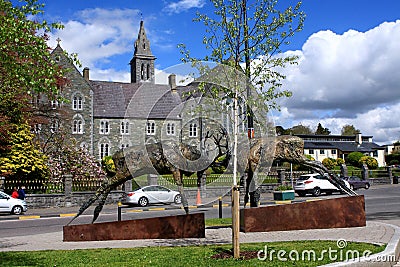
{"x": 170, "y": 227}
{"x": 319, "y": 214}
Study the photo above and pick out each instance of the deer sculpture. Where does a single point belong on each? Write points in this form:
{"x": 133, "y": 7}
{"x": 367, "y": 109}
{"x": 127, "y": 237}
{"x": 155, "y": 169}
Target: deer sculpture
{"x": 133, "y": 162}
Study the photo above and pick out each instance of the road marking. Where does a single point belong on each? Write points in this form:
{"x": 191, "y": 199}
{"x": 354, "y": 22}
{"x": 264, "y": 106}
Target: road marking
{"x": 29, "y": 217}
{"x": 157, "y": 209}
{"x": 134, "y": 210}
{"x": 315, "y": 199}
{"x": 67, "y": 214}
{"x": 223, "y": 205}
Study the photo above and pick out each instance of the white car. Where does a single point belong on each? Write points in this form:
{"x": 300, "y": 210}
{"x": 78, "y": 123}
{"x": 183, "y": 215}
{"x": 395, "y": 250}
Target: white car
{"x": 315, "y": 184}
{"x": 152, "y": 194}
{"x": 12, "y": 205}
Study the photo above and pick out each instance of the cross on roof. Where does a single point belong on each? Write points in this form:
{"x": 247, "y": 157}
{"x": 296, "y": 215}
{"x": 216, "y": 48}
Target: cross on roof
{"x": 58, "y": 40}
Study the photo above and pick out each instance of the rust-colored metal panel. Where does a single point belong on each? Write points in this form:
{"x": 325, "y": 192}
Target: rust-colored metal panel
{"x": 169, "y": 227}
{"x": 320, "y": 214}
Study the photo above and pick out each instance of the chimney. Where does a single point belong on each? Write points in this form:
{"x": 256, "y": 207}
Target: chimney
{"x": 358, "y": 138}
{"x": 86, "y": 73}
{"x": 172, "y": 81}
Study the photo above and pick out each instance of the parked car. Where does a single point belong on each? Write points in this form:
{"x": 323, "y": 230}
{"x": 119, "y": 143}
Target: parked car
{"x": 12, "y": 205}
{"x": 152, "y": 194}
{"x": 356, "y": 182}
{"x": 315, "y": 184}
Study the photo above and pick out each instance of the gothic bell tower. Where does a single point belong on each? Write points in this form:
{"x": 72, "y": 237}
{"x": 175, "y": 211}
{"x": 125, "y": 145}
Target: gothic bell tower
{"x": 142, "y": 63}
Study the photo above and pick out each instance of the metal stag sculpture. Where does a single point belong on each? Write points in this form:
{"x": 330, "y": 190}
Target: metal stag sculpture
{"x": 131, "y": 163}
{"x": 157, "y": 158}
{"x": 287, "y": 149}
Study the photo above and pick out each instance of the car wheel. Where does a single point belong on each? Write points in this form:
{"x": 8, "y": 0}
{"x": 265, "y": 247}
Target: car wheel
{"x": 316, "y": 192}
{"x": 301, "y": 194}
{"x": 366, "y": 186}
{"x": 17, "y": 210}
{"x": 143, "y": 202}
{"x": 178, "y": 199}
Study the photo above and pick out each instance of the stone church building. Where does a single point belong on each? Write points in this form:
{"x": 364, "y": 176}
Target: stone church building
{"x": 105, "y": 116}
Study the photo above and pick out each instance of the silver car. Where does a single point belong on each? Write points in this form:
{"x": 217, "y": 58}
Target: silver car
{"x": 152, "y": 194}
{"x": 12, "y": 205}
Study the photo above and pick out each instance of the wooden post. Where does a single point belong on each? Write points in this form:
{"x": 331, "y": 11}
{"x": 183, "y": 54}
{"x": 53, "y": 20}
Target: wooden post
{"x": 235, "y": 222}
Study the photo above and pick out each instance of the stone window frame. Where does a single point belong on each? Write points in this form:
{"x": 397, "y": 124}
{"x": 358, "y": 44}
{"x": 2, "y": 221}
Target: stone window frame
{"x": 54, "y": 126}
{"x": 193, "y": 129}
{"x": 150, "y": 127}
{"x": 77, "y": 101}
{"x": 124, "y": 127}
{"x": 104, "y": 127}
{"x": 104, "y": 148}
{"x": 78, "y": 124}
{"x": 170, "y": 129}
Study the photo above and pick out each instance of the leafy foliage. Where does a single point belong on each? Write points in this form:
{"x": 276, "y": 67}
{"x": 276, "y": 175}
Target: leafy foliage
{"x": 371, "y": 162}
{"x": 24, "y": 159}
{"x": 321, "y": 130}
{"x": 349, "y": 130}
{"x": 354, "y": 158}
{"x": 65, "y": 157}
{"x": 108, "y": 165}
{"x": 329, "y": 163}
{"x": 340, "y": 161}
{"x": 251, "y": 34}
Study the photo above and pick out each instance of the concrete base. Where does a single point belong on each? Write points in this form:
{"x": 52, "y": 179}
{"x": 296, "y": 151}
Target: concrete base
{"x": 319, "y": 214}
{"x": 170, "y": 227}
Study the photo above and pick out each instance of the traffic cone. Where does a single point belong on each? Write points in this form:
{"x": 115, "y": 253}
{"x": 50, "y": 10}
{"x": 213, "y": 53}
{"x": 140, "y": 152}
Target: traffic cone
{"x": 198, "y": 198}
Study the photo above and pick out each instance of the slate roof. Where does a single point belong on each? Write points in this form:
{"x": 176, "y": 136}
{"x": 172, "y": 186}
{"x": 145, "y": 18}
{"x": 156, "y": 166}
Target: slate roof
{"x": 343, "y": 146}
{"x": 137, "y": 100}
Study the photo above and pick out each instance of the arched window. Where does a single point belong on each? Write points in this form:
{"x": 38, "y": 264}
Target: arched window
{"x": 104, "y": 127}
{"x": 77, "y": 102}
{"x": 170, "y": 128}
{"x": 104, "y": 148}
{"x": 78, "y": 124}
{"x": 193, "y": 130}
{"x": 142, "y": 72}
{"x": 151, "y": 128}
{"x": 148, "y": 71}
{"x": 124, "y": 129}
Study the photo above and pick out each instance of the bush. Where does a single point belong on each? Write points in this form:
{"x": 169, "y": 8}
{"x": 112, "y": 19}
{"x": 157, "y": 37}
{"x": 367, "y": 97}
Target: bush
{"x": 370, "y": 161}
{"x": 329, "y": 163}
{"x": 354, "y": 158}
{"x": 339, "y": 161}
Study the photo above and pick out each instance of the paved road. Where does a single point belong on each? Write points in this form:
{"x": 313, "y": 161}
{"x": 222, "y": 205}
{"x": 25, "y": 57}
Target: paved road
{"x": 382, "y": 203}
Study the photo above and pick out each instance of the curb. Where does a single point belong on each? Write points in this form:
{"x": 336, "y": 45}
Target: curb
{"x": 388, "y": 257}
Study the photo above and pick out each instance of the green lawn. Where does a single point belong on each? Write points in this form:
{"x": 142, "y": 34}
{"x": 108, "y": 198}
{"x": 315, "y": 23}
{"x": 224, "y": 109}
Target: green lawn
{"x": 185, "y": 256}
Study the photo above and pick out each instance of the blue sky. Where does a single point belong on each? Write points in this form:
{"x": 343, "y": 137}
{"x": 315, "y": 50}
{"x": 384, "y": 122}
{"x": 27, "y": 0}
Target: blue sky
{"x": 348, "y": 73}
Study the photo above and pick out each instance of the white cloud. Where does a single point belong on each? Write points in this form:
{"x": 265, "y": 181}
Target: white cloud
{"x": 183, "y": 5}
{"x": 352, "y": 78}
{"x": 99, "y": 34}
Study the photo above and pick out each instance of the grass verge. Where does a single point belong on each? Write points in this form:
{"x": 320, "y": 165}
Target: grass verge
{"x": 315, "y": 254}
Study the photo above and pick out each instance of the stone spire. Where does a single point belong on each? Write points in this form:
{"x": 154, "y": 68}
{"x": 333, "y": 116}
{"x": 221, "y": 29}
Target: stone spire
{"x": 142, "y": 63}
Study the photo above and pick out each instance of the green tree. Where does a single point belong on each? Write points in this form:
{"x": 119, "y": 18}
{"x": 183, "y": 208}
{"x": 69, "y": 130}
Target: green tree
{"x": 353, "y": 158}
{"x": 371, "y": 162}
{"x": 321, "y": 130}
{"x": 24, "y": 159}
{"x": 249, "y": 34}
{"x": 26, "y": 68}
{"x": 349, "y": 130}
{"x": 300, "y": 129}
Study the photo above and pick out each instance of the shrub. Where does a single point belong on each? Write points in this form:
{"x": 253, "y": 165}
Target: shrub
{"x": 339, "y": 161}
{"x": 353, "y": 158}
{"x": 371, "y": 162}
{"x": 329, "y": 163}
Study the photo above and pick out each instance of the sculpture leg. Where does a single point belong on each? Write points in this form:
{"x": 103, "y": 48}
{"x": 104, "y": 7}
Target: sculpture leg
{"x": 246, "y": 189}
{"x": 179, "y": 182}
{"x": 254, "y": 193}
{"x": 100, "y": 206}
